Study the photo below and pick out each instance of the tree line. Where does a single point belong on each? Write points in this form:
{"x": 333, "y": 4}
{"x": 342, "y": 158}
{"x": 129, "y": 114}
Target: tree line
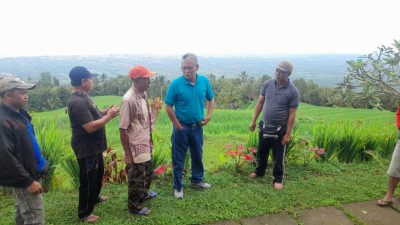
{"x": 372, "y": 81}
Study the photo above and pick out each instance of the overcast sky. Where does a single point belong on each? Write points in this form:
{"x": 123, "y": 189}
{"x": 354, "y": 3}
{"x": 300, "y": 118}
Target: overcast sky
{"x": 205, "y": 27}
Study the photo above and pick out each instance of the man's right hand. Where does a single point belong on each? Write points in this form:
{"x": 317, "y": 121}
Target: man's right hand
{"x": 252, "y": 126}
{"x": 35, "y": 188}
{"x": 179, "y": 126}
{"x": 113, "y": 112}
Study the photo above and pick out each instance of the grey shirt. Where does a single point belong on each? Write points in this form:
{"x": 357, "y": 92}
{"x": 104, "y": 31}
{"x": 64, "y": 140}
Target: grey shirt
{"x": 278, "y": 101}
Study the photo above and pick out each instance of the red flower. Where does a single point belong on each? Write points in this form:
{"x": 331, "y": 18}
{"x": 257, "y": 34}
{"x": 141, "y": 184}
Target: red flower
{"x": 233, "y": 152}
{"x": 321, "y": 151}
{"x": 248, "y": 157}
{"x": 240, "y": 147}
{"x": 160, "y": 170}
{"x": 252, "y": 150}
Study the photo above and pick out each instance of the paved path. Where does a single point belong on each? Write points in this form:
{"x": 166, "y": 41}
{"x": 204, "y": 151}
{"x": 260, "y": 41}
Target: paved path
{"x": 347, "y": 214}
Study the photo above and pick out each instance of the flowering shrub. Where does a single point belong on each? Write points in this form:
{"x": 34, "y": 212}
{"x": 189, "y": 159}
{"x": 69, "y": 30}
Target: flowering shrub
{"x": 113, "y": 173}
{"x": 239, "y": 155}
{"x": 316, "y": 153}
{"x": 160, "y": 170}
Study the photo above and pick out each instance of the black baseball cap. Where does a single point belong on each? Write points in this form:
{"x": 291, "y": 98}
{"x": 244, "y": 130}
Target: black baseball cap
{"x": 78, "y": 73}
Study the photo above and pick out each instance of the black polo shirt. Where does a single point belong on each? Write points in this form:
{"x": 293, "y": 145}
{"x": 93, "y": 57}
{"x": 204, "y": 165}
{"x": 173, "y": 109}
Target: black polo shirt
{"x": 82, "y": 110}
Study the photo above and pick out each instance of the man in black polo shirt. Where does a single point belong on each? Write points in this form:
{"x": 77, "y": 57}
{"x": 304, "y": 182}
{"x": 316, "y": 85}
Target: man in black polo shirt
{"x": 278, "y": 100}
{"x": 88, "y": 140}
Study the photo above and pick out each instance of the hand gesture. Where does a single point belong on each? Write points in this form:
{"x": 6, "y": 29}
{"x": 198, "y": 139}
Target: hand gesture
{"x": 112, "y": 111}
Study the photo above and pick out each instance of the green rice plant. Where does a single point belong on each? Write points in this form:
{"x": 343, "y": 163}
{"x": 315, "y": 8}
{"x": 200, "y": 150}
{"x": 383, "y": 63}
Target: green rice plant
{"x": 326, "y": 135}
{"x": 294, "y": 140}
{"x": 160, "y": 151}
{"x": 386, "y": 144}
{"x": 70, "y": 165}
{"x": 52, "y": 142}
{"x": 352, "y": 144}
{"x": 252, "y": 140}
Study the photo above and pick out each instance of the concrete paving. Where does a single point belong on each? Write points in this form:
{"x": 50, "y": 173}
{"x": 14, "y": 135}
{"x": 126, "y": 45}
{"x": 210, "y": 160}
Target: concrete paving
{"x": 367, "y": 212}
{"x": 324, "y": 216}
{"x": 228, "y": 222}
{"x": 270, "y": 219}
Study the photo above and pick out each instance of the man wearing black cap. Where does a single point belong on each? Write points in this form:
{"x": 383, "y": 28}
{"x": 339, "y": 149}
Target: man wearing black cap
{"x": 88, "y": 140}
{"x": 278, "y": 101}
{"x": 21, "y": 160}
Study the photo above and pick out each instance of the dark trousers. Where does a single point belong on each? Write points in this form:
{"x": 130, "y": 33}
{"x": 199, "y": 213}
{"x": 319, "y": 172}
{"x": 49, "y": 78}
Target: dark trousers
{"x": 190, "y": 137}
{"x": 278, "y": 155}
{"x": 90, "y": 178}
{"x": 140, "y": 176}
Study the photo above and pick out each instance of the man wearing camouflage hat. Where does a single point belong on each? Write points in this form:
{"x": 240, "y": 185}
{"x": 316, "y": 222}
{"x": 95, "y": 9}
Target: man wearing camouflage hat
{"x": 21, "y": 163}
{"x": 278, "y": 101}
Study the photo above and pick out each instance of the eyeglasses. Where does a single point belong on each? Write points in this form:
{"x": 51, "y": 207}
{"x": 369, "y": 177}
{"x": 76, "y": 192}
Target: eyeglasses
{"x": 187, "y": 68}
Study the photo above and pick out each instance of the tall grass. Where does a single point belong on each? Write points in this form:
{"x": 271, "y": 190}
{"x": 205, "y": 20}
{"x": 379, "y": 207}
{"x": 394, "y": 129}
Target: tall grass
{"x": 353, "y": 141}
{"x": 71, "y": 166}
{"x": 52, "y": 142}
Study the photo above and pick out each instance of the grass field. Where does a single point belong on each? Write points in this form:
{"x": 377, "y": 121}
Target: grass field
{"x": 234, "y": 195}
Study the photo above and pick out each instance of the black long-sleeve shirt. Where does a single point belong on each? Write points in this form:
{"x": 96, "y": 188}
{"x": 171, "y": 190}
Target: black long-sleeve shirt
{"x": 17, "y": 160}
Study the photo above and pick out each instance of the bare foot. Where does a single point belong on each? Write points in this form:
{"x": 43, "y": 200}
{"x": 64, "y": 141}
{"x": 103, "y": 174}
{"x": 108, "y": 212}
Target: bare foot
{"x": 92, "y": 218}
{"x": 253, "y": 175}
{"x": 278, "y": 186}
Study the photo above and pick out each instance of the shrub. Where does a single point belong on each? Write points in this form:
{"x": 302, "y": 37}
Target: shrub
{"x": 52, "y": 143}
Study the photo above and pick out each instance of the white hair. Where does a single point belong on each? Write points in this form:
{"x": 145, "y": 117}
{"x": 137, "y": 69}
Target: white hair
{"x": 191, "y": 57}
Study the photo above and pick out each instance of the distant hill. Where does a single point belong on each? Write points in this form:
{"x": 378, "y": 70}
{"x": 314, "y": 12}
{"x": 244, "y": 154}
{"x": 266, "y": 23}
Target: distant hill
{"x": 326, "y": 70}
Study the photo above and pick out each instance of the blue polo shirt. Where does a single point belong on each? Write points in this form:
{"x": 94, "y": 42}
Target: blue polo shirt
{"x": 189, "y": 99}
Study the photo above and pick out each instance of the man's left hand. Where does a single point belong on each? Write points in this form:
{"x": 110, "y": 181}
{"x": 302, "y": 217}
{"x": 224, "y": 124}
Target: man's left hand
{"x": 205, "y": 121}
{"x": 285, "y": 139}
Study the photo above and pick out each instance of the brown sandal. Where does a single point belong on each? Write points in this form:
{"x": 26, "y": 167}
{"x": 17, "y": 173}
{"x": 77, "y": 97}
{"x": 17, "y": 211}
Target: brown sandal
{"x": 383, "y": 203}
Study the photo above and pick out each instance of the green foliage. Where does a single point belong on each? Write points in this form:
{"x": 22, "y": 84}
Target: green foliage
{"x": 375, "y": 77}
{"x": 52, "y": 142}
{"x": 70, "y": 165}
{"x": 230, "y": 96}
{"x": 161, "y": 149}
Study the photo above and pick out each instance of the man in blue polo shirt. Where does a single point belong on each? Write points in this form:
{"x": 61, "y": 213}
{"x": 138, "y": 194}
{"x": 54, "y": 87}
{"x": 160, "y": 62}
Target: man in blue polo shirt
{"x": 187, "y": 95}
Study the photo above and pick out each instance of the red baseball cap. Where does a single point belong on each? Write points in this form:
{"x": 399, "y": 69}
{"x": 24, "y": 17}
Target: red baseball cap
{"x": 140, "y": 71}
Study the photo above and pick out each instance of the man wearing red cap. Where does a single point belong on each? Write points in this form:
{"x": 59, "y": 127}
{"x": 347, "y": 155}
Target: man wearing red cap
{"x": 135, "y": 132}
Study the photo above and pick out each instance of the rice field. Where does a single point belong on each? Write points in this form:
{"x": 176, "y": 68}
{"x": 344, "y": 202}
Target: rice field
{"x": 346, "y": 134}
